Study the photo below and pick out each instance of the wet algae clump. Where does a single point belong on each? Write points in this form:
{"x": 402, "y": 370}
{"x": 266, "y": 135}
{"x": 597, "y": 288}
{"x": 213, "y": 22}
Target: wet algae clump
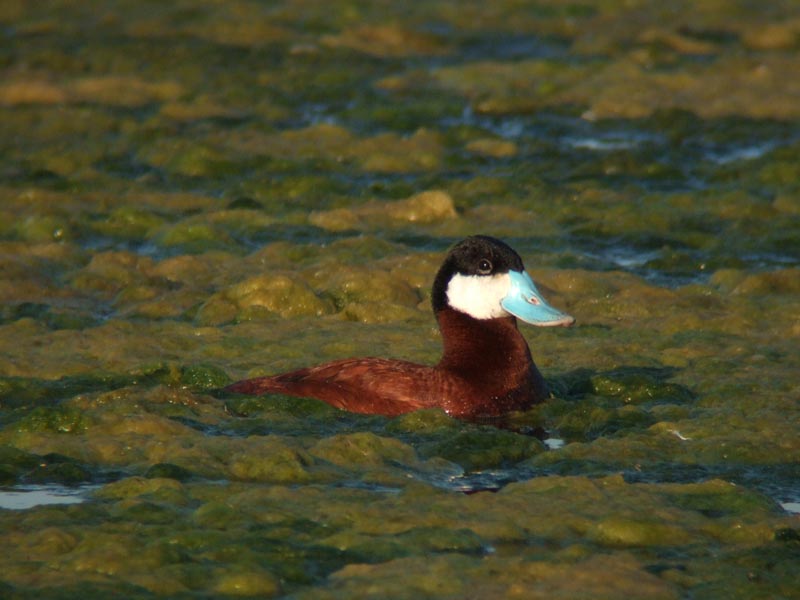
{"x": 193, "y": 195}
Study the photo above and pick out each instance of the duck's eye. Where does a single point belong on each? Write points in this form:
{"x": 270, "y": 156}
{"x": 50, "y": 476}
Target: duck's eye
{"x": 484, "y": 267}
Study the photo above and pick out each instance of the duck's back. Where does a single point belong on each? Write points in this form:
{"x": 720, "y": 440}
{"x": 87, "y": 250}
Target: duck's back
{"x": 363, "y": 385}
{"x": 395, "y": 387}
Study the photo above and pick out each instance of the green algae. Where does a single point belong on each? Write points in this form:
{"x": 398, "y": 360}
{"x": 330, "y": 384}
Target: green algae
{"x": 57, "y": 419}
{"x": 483, "y": 449}
{"x": 425, "y": 208}
{"x": 328, "y": 534}
{"x": 198, "y": 193}
{"x": 637, "y": 387}
{"x": 167, "y": 470}
{"x": 203, "y": 377}
{"x": 260, "y": 296}
{"x": 15, "y": 463}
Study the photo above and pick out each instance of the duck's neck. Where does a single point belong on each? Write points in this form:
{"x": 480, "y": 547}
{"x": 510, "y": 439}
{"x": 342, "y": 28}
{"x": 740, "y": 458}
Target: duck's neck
{"x": 491, "y": 351}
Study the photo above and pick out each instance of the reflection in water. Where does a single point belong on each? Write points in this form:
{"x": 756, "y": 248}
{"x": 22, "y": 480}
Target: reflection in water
{"x": 28, "y": 496}
{"x": 554, "y": 443}
{"x": 791, "y": 507}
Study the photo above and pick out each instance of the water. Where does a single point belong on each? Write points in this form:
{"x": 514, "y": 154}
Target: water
{"x": 29, "y": 496}
{"x": 191, "y": 196}
{"x": 792, "y": 507}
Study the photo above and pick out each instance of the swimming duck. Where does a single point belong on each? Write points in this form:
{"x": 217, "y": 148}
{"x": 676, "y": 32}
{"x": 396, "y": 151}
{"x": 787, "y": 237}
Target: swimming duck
{"x": 486, "y": 368}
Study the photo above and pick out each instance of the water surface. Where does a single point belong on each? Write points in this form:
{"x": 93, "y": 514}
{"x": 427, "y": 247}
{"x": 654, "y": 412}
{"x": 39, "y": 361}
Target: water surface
{"x": 192, "y": 193}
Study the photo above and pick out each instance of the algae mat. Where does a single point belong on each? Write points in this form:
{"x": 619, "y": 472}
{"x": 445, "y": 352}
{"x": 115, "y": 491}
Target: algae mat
{"x": 195, "y": 192}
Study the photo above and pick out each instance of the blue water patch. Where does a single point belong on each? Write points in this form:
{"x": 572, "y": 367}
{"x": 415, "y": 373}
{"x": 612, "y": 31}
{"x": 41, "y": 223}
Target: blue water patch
{"x": 28, "y": 496}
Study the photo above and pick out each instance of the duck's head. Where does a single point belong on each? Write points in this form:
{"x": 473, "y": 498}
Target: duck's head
{"x": 485, "y": 279}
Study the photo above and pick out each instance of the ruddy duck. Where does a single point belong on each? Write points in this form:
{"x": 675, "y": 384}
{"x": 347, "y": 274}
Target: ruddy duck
{"x": 486, "y": 368}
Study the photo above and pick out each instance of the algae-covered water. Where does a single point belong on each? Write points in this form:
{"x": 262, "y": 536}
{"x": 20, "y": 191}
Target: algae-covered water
{"x": 196, "y": 192}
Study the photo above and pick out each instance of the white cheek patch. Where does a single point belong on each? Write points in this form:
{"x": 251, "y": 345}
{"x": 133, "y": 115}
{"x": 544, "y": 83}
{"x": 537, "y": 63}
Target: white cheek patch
{"x": 479, "y": 295}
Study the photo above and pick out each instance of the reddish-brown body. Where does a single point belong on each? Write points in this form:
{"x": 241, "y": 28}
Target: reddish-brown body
{"x": 486, "y": 370}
